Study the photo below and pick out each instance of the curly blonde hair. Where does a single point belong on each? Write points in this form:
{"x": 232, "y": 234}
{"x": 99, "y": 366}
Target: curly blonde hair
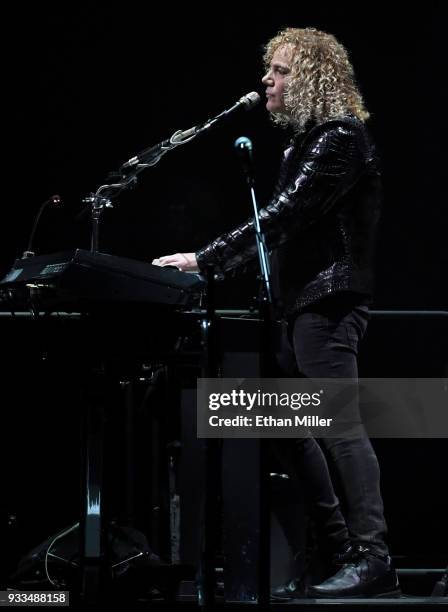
{"x": 321, "y": 85}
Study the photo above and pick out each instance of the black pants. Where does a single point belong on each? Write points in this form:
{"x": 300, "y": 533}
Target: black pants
{"x": 323, "y": 341}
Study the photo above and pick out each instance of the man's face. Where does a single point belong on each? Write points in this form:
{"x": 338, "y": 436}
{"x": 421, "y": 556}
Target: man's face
{"x": 276, "y": 78}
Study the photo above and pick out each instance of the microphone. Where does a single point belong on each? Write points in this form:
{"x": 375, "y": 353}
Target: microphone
{"x": 56, "y": 200}
{"x": 243, "y": 146}
{"x": 248, "y": 101}
{"x": 152, "y": 154}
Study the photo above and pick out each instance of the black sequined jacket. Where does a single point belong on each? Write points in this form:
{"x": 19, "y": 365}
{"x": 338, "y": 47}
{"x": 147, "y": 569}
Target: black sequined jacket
{"x": 320, "y": 222}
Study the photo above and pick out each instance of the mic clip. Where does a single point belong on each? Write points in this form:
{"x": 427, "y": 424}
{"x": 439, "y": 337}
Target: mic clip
{"x": 98, "y": 202}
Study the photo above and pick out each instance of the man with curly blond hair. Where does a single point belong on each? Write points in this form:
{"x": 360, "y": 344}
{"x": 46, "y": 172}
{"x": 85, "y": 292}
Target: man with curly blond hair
{"x": 320, "y": 227}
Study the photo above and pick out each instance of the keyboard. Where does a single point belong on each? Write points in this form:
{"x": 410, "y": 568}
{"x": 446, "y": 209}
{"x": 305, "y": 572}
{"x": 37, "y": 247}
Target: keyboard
{"x": 79, "y": 277}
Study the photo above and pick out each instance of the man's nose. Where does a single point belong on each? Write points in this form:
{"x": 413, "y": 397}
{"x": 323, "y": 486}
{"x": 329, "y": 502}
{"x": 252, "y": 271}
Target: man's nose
{"x": 267, "y": 79}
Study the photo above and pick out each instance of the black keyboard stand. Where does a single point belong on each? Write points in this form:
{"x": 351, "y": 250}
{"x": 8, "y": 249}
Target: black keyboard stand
{"x": 213, "y": 467}
{"x": 93, "y": 558}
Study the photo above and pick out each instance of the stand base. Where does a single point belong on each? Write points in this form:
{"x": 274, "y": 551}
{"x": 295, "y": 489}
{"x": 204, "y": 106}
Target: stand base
{"x": 130, "y": 569}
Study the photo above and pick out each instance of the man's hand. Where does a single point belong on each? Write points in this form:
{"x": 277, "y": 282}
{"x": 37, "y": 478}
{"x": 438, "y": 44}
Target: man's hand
{"x": 186, "y": 262}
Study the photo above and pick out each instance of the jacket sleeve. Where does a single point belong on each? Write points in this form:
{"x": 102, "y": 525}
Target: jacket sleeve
{"x": 329, "y": 164}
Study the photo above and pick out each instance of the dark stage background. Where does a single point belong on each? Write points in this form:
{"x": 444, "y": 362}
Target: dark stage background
{"x": 88, "y": 86}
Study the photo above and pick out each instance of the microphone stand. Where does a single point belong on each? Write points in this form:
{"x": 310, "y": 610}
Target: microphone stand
{"x": 266, "y": 311}
{"x": 267, "y": 299}
{"x": 127, "y": 179}
{"x": 127, "y": 175}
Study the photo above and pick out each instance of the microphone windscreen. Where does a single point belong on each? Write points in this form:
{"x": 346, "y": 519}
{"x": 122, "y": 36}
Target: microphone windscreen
{"x": 243, "y": 143}
{"x": 250, "y": 100}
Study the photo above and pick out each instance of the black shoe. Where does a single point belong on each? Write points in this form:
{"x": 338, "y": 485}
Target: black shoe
{"x": 294, "y": 589}
{"x": 364, "y": 575}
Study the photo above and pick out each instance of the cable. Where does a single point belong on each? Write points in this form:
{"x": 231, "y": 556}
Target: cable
{"x": 48, "y": 553}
